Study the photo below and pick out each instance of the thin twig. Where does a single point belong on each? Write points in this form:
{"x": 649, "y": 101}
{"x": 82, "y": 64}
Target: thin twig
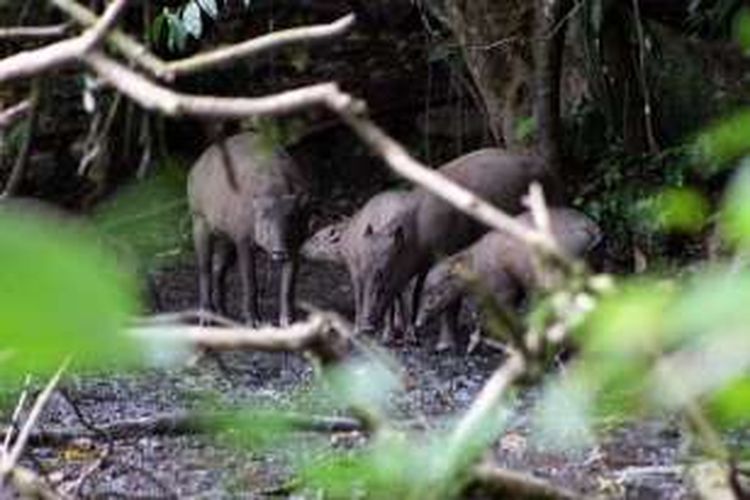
{"x": 159, "y": 98}
{"x": 168, "y": 71}
{"x": 250, "y": 48}
{"x": 14, "y": 419}
{"x": 10, "y": 115}
{"x": 315, "y": 335}
{"x": 21, "y": 33}
{"x": 514, "y": 484}
{"x": 11, "y": 459}
{"x": 94, "y": 36}
{"x": 33, "y": 62}
{"x": 471, "y": 424}
{"x": 180, "y": 423}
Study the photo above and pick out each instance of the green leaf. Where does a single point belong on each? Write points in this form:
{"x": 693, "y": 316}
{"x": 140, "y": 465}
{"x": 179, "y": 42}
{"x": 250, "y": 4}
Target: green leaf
{"x": 60, "y": 294}
{"x": 191, "y": 19}
{"x": 735, "y": 214}
{"x": 729, "y": 140}
{"x": 254, "y": 428}
{"x": 629, "y": 322}
{"x": 157, "y": 29}
{"x": 730, "y": 406}
{"x": 210, "y": 8}
{"x": 742, "y": 29}
{"x": 176, "y": 35}
{"x": 394, "y": 466}
{"x": 680, "y": 209}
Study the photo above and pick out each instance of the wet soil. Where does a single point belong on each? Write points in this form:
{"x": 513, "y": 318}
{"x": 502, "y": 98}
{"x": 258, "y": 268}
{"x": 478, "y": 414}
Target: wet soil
{"x": 632, "y": 461}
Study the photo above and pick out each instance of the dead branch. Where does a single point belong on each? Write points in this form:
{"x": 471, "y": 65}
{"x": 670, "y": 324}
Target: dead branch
{"x": 168, "y": 71}
{"x": 94, "y": 36}
{"x": 14, "y": 113}
{"x": 513, "y": 484}
{"x": 18, "y": 172}
{"x": 316, "y": 335}
{"x": 475, "y": 418}
{"x": 9, "y": 460}
{"x": 399, "y": 160}
{"x": 33, "y": 62}
{"x": 36, "y": 61}
{"x": 16, "y": 416}
{"x": 158, "y": 98}
{"x": 180, "y": 423}
{"x": 250, "y": 48}
{"x": 21, "y": 33}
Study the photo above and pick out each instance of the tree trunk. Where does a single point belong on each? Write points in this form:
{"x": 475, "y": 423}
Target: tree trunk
{"x": 549, "y": 43}
{"x": 494, "y": 35}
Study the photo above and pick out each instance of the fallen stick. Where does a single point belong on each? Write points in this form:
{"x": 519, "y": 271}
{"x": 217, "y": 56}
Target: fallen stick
{"x": 181, "y": 423}
{"x": 317, "y": 335}
{"x": 505, "y": 483}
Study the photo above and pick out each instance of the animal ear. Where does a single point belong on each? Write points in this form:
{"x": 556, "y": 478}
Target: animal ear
{"x": 368, "y": 230}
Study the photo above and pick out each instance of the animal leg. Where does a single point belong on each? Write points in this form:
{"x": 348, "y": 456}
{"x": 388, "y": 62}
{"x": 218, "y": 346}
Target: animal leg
{"x": 406, "y": 318}
{"x": 203, "y": 242}
{"x": 286, "y": 300}
{"x": 449, "y": 326}
{"x": 246, "y": 260}
{"x": 222, "y": 261}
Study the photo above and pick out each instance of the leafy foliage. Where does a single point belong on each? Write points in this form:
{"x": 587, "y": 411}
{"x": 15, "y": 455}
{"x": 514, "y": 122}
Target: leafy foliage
{"x": 679, "y": 345}
{"x": 173, "y": 26}
{"x": 61, "y": 294}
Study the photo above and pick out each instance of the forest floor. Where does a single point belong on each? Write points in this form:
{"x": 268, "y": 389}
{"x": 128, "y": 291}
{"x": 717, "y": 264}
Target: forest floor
{"x": 632, "y": 461}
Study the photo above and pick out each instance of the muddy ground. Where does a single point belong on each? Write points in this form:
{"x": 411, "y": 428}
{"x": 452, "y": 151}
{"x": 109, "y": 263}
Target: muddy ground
{"x": 630, "y": 462}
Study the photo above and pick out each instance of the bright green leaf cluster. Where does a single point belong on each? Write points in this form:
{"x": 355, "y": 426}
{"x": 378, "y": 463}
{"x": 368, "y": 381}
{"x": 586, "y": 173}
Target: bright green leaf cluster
{"x": 61, "y": 294}
{"x": 680, "y": 209}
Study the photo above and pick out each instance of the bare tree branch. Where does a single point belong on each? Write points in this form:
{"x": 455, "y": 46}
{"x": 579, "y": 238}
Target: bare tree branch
{"x": 225, "y": 55}
{"x": 158, "y": 98}
{"x": 318, "y": 335}
{"x": 10, "y": 115}
{"x": 33, "y": 62}
{"x": 183, "y": 422}
{"x": 10, "y": 460}
{"x": 34, "y": 32}
{"x": 168, "y": 71}
{"x": 127, "y": 45}
{"x": 471, "y": 424}
{"x": 15, "y": 417}
{"x": 512, "y": 484}
{"x": 104, "y": 24}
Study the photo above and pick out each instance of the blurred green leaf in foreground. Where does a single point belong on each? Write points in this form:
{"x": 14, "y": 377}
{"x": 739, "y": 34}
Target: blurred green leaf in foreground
{"x": 61, "y": 294}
